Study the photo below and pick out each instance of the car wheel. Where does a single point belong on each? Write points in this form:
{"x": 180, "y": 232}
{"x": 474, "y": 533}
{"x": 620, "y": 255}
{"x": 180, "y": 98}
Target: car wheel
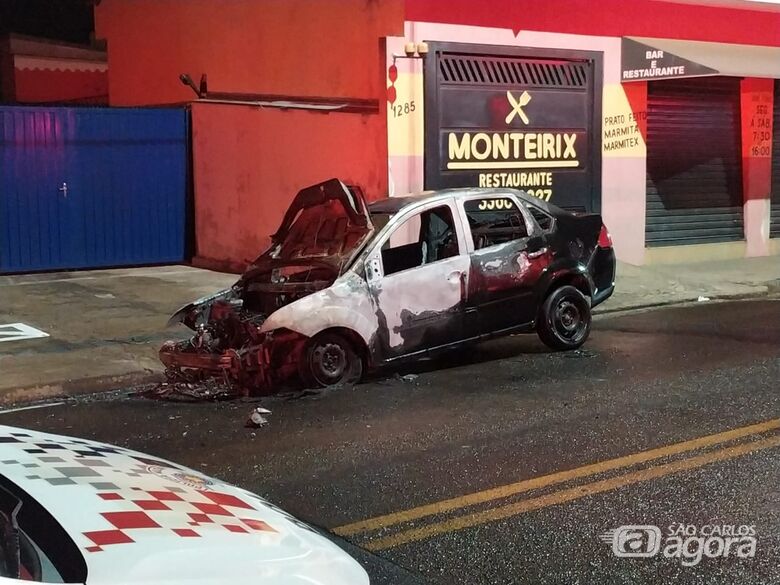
{"x": 330, "y": 359}
{"x": 564, "y": 319}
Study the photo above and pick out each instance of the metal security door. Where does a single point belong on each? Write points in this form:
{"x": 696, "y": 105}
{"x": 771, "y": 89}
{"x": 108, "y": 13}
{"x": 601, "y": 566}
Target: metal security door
{"x": 91, "y": 187}
{"x": 694, "y": 164}
{"x": 515, "y": 117}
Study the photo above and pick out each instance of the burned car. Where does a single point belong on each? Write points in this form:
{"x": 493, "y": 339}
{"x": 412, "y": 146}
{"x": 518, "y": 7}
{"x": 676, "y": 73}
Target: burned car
{"x": 346, "y": 286}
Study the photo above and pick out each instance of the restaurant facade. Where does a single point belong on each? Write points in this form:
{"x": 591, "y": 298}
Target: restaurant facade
{"x": 665, "y": 129}
{"x": 657, "y": 114}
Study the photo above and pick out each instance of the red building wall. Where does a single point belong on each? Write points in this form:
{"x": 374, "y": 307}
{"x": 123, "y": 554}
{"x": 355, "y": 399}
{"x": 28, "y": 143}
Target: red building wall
{"x": 288, "y": 47}
{"x": 34, "y": 70}
{"x": 251, "y": 162}
{"x": 7, "y": 89}
{"x": 749, "y": 23}
{"x": 56, "y": 85}
{"x": 248, "y": 162}
{"x": 329, "y": 47}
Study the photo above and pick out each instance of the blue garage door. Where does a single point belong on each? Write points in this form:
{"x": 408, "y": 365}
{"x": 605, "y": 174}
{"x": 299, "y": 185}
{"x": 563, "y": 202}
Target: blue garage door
{"x": 91, "y": 187}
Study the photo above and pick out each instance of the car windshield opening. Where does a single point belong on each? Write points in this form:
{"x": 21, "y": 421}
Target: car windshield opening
{"x": 33, "y": 545}
{"x": 380, "y": 220}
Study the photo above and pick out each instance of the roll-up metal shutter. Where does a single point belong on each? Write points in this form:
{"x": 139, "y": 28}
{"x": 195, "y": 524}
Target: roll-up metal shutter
{"x": 694, "y": 167}
{"x": 774, "y": 213}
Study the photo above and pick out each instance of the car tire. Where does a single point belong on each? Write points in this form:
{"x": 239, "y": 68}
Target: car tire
{"x": 564, "y": 319}
{"x": 330, "y": 359}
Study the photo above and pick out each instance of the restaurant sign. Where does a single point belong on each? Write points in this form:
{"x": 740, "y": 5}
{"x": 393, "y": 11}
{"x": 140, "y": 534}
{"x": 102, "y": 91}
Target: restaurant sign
{"x": 495, "y": 123}
{"x": 640, "y": 62}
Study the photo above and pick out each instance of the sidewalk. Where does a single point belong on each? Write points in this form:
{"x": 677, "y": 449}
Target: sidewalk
{"x": 105, "y": 326}
{"x": 666, "y": 284}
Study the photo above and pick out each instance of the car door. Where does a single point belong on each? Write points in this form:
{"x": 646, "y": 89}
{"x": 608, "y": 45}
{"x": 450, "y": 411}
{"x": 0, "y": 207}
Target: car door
{"x": 508, "y": 256}
{"x": 418, "y": 277}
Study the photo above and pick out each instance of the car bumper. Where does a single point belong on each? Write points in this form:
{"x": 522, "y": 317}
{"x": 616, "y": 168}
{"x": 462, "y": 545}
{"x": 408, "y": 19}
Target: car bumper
{"x": 254, "y": 369}
{"x": 603, "y": 268}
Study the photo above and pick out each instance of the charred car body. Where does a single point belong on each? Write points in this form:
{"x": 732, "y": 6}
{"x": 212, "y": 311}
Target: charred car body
{"x": 346, "y": 286}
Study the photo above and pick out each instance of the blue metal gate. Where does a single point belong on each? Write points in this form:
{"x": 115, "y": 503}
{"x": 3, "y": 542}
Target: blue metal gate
{"x": 91, "y": 187}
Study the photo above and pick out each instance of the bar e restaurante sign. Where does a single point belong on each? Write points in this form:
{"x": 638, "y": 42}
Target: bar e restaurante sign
{"x": 640, "y": 62}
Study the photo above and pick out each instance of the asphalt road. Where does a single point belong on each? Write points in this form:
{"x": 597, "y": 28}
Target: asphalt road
{"x": 505, "y": 463}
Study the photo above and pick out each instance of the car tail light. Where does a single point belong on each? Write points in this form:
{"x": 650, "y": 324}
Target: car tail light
{"x": 605, "y": 240}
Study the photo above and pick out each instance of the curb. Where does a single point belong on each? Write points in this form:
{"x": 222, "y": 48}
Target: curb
{"x": 75, "y": 387}
{"x": 693, "y": 300}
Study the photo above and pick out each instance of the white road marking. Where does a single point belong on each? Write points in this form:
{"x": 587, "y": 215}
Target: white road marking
{"x": 21, "y": 408}
{"x": 19, "y": 331}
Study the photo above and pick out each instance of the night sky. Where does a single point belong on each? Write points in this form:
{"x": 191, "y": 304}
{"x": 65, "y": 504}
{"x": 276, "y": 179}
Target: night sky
{"x": 64, "y": 20}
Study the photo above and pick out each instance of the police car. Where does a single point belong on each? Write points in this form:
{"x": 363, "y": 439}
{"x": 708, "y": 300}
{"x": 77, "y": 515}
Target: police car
{"x": 78, "y": 511}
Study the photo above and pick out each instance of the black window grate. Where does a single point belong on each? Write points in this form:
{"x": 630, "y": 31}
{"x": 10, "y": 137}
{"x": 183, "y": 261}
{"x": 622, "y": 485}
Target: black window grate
{"x": 481, "y": 70}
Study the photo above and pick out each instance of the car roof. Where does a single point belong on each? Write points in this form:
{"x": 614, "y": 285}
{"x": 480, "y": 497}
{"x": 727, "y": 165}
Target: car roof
{"x": 394, "y": 204}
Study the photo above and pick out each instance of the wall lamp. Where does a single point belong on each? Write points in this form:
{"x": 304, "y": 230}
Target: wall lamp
{"x": 412, "y": 51}
{"x": 201, "y": 90}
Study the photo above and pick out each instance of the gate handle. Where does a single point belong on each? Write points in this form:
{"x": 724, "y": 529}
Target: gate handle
{"x": 64, "y": 190}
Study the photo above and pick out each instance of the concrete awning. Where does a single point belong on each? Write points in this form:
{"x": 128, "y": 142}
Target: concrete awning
{"x": 647, "y": 58}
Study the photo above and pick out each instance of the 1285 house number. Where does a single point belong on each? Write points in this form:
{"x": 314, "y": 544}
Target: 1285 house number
{"x": 403, "y": 109}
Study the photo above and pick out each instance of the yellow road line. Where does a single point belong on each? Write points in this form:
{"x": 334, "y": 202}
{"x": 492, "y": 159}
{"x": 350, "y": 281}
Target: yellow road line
{"x": 551, "y": 479}
{"x": 569, "y": 494}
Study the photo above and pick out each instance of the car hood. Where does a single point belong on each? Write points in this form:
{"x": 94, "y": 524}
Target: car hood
{"x": 321, "y": 233}
{"x": 137, "y": 518}
{"x": 325, "y": 225}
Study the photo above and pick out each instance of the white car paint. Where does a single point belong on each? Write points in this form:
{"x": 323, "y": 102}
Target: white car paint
{"x": 137, "y": 518}
{"x": 346, "y": 303}
{"x": 355, "y": 302}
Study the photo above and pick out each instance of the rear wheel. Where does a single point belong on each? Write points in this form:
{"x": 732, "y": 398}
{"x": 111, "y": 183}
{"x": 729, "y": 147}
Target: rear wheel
{"x": 564, "y": 319}
{"x": 330, "y": 359}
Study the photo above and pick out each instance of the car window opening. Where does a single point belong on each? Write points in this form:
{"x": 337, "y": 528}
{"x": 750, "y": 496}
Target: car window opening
{"x": 544, "y": 220}
{"x": 494, "y": 221}
{"x": 424, "y": 238}
{"x": 44, "y": 551}
{"x": 10, "y": 547}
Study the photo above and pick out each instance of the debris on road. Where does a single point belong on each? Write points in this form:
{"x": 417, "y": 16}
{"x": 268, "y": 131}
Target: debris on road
{"x": 256, "y": 418}
{"x": 186, "y": 387}
{"x": 703, "y": 299}
{"x": 396, "y": 377}
{"x": 308, "y": 393}
{"x": 578, "y": 353}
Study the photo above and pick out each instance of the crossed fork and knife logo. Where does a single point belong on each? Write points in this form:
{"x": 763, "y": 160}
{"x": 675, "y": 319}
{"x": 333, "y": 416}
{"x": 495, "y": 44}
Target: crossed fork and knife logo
{"x": 517, "y": 107}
